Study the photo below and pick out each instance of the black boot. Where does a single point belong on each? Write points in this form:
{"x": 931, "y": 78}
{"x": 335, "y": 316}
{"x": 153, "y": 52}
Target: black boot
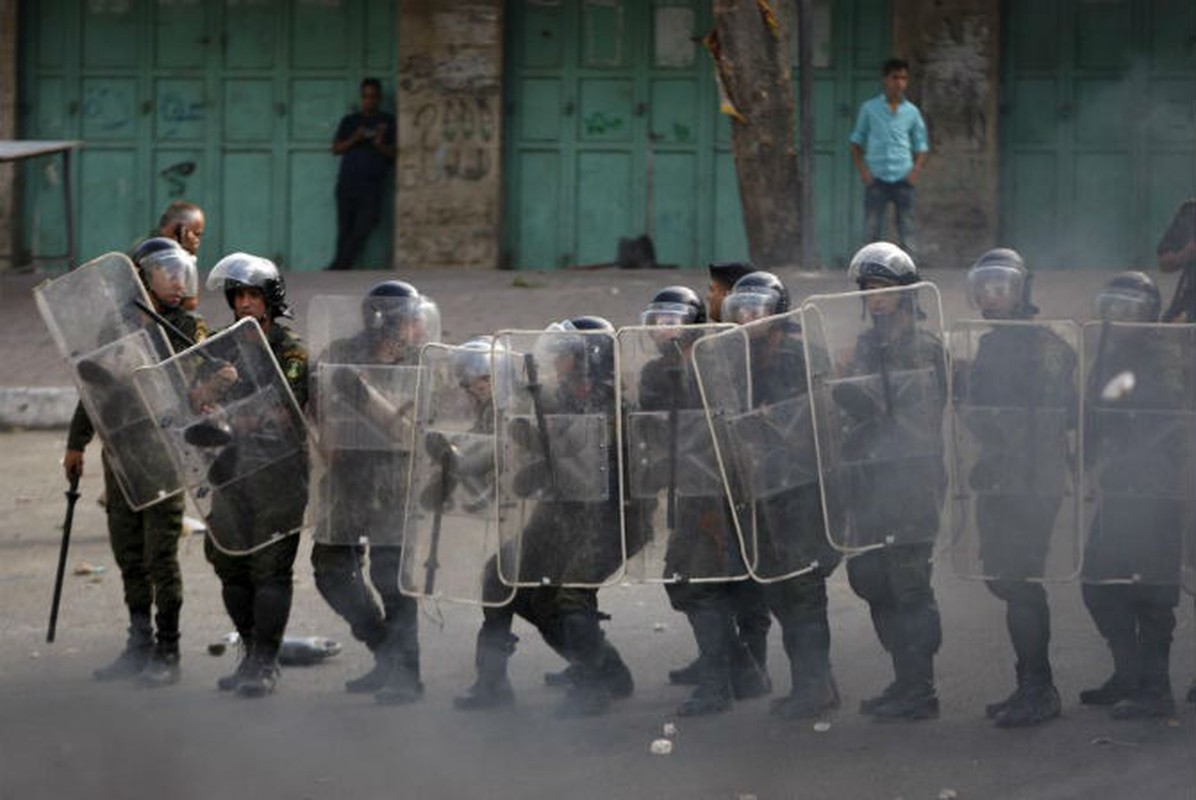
{"x": 163, "y": 667}
{"x": 492, "y": 688}
{"x": 1153, "y": 697}
{"x": 1109, "y": 693}
{"x": 687, "y": 675}
{"x": 227, "y": 683}
{"x": 808, "y": 643}
{"x": 561, "y": 678}
{"x": 373, "y": 680}
{"x": 261, "y": 672}
{"x": 583, "y": 639}
{"x": 403, "y": 684}
{"x": 615, "y": 674}
{"x": 713, "y": 631}
{"x": 914, "y": 697}
{"x": 138, "y": 648}
{"x": 1034, "y": 702}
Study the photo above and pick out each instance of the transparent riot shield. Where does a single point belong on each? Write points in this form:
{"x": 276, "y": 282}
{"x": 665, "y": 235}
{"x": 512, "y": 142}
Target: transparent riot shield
{"x": 558, "y": 464}
{"x": 678, "y": 523}
{"x": 1015, "y": 449}
{"x": 362, "y": 400}
{"x": 1139, "y": 440}
{"x": 451, "y": 541}
{"x": 95, "y": 314}
{"x": 236, "y": 434}
{"x": 753, "y": 384}
{"x": 878, "y": 382}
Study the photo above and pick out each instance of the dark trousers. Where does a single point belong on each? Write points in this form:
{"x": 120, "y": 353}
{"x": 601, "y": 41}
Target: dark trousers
{"x": 877, "y": 197}
{"x": 358, "y": 209}
{"x": 145, "y": 545}
{"x": 257, "y": 590}
{"x": 1137, "y": 622}
{"x": 895, "y": 582}
{"x": 341, "y": 582}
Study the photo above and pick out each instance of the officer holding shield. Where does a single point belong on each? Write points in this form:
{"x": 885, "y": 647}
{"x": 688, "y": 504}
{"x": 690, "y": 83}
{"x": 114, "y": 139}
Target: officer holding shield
{"x": 266, "y": 506}
{"x": 145, "y": 543}
{"x": 363, "y": 489}
{"x": 1018, "y": 397}
{"x": 1139, "y": 428}
{"x": 895, "y": 503}
{"x": 566, "y": 544}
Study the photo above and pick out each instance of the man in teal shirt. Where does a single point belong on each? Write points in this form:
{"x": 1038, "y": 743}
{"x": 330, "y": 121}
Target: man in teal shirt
{"x": 889, "y": 147}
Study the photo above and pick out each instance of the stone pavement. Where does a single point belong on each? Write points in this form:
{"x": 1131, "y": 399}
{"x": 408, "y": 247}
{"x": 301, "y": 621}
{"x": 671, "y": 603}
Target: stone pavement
{"x": 36, "y": 390}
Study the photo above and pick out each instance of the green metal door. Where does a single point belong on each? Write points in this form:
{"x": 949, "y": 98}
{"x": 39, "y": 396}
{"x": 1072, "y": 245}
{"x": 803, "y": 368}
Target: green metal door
{"x": 1098, "y": 128}
{"x": 613, "y": 130}
{"x": 231, "y": 105}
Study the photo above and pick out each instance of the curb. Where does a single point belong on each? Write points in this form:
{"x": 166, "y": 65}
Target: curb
{"x": 42, "y": 407}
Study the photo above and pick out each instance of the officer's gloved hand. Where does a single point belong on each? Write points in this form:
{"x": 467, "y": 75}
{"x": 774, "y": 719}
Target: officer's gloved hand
{"x": 524, "y": 433}
{"x": 95, "y": 374}
{"x": 437, "y": 495}
{"x": 856, "y": 401}
{"x": 350, "y": 385}
{"x": 224, "y": 468}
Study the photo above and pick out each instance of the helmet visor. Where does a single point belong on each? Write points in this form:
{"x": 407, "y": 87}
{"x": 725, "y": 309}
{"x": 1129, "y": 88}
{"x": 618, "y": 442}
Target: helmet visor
{"x": 243, "y": 268}
{"x": 172, "y": 267}
{"x": 668, "y": 314}
{"x": 1120, "y": 305}
{"x": 995, "y": 288}
{"x": 743, "y": 307}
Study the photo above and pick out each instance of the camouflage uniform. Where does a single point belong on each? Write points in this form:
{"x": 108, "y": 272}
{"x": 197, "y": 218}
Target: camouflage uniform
{"x": 257, "y": 587}
{"x": 144, "y": 543}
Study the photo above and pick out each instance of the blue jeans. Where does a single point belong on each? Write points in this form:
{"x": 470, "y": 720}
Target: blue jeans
{"x": 877, "y": 197}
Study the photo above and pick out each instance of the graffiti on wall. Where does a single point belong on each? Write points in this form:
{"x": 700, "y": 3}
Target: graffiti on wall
{"x": 454, "y": 139}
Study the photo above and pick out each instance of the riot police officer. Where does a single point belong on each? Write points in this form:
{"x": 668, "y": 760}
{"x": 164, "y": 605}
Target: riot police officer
{"x": 1138, "y": 387}
{"x": 701, "y": 546}
{"x": 900, "y": 509}
{"x": 257, "y": 587}
{"x": 365, "y": 490}
{"x": 561, "y": 537}
{"x": 790, "y": 523}
{"x": 1032, "y": 368}
{"x": 145, "y": 543}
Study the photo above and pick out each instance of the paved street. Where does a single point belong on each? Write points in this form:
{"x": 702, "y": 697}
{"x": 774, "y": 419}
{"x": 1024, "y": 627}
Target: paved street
{"x": 63, "y": 735}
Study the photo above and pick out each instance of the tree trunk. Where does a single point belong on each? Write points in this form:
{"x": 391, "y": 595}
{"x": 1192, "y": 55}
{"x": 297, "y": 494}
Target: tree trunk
{"x": 750, "y": 56}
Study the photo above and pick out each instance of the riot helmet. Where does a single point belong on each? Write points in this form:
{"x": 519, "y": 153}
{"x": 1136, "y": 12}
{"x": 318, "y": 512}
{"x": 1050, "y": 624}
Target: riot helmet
{"x": 593, "y": 355}
{"x": 167, "y": 270}
{"x": 1129, "y": 297}
{"x": 242, "y": 270}
{"x": 999, "y": 285}
{"x": 395, "y": 310}
{"x": 754, "y": 296}
{"x": 884, "y": 263}
{"x": 674, "y": 305}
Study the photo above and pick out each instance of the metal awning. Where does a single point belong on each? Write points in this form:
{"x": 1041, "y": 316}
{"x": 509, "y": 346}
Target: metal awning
{"x": 16, "y": 150}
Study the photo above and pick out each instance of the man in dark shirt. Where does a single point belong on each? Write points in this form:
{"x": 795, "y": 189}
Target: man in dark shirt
{"x": 1177, "y": 253}
{"x": 366, "y": 141}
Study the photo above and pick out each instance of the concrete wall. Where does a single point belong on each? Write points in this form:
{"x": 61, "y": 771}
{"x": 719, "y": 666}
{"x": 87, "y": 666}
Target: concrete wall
{"x": 449, "y": 164}
{"x": 8, "y": 122}
{"x": 953, "y": 47}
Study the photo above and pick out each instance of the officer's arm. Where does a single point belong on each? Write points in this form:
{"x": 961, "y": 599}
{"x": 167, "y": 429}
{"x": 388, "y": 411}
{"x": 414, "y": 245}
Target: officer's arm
{"x": 1178, "y": 245}
{"x": 77, "y": 439}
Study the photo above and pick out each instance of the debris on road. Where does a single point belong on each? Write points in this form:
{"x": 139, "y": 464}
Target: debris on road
{"x": 661, "y": 747}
